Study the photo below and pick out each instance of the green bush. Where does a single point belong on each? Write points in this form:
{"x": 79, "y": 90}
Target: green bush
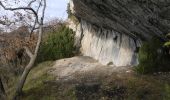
{"x": 152, "y": 58}
{"x": 56, "y": 45}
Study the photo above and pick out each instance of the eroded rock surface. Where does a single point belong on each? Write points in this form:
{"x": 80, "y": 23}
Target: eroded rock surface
{"x": 111, "y": 31}
{"x": 137, "y": 18}
{"x": 107, "y": 46}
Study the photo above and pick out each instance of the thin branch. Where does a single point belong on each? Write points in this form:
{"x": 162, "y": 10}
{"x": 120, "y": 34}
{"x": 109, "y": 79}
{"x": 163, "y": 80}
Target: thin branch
{"x": 33, "y": 28}
{"x": 43, "y": 12}
{"x": 21, "y": 8}
{"x": 29, "y": 5}
{"x": 40, "y": 30}
{"x": 39, "y": 6}
{"x": 29, "y": 12}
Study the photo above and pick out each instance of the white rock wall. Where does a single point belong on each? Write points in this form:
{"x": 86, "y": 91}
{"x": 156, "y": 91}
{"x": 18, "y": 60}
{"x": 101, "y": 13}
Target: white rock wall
{"x": 106, "y": 46}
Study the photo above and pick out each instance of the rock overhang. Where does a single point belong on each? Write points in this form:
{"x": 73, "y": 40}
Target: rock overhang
{"x": 136, "y": 18}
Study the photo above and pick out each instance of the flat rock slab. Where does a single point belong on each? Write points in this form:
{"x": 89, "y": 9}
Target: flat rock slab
{"x": 82, "y": 67}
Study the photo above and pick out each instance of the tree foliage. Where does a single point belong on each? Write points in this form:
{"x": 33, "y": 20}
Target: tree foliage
{"x": 57, "y": 44}
{"x": 153, "y": 57}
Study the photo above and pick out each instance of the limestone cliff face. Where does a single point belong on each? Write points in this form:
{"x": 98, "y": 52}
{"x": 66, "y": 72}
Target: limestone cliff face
{"x": 106, "y": 46}
{"x": 111, "y": 30}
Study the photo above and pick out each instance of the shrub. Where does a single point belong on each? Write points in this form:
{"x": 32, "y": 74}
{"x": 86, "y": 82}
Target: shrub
{"x": 56, "y": 45}
{"x": 152, "y": 57}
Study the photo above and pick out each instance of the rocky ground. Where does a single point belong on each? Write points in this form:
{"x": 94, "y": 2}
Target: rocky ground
{"x": 84, "y": 67}
{"x": 83, "y": 78}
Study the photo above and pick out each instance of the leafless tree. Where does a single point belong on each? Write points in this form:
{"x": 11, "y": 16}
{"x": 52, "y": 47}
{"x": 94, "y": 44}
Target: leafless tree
{"x": 38, "y": 24}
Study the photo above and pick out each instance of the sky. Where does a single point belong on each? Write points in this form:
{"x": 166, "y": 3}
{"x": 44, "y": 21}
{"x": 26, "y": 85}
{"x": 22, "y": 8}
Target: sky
{"x": 56, "y": 8}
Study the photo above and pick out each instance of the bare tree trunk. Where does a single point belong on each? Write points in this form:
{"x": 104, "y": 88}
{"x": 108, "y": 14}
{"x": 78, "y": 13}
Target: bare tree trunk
{"x": 24, "y": 76}
{"x": 30, "y": 65}
{"x": 32, "y": 56}
{"x": 2, "y": 90}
